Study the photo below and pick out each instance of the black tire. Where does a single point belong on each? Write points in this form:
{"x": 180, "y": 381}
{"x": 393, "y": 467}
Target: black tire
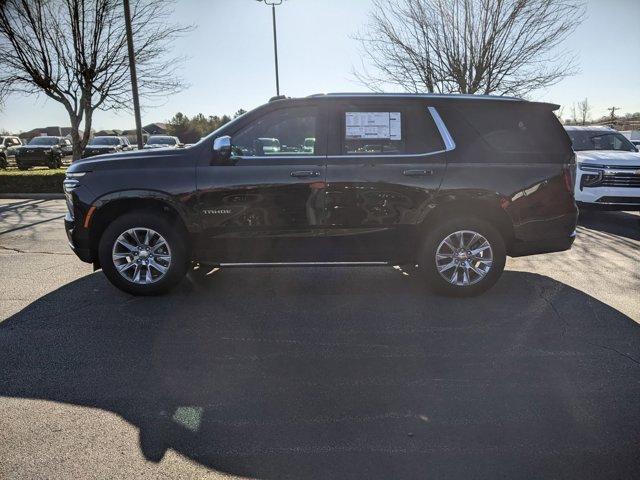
{"x": 21, "y": 166}
{"x": 175, "y": 238}
{"x": 54, "y": 163}
{"x": 427, "y": 257}
{"x": 3, "y": 162}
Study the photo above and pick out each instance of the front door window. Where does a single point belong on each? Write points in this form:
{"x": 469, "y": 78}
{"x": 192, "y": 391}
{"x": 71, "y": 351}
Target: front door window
{"x": 286, "y": 132}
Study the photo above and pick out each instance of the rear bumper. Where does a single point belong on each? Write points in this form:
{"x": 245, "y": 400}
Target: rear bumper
{"x": 561, "y": 244}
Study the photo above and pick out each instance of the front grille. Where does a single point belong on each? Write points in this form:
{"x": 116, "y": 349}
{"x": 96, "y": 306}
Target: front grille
{"x": 620, "y": 180}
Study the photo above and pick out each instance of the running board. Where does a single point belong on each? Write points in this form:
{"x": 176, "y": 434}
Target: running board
{"x": 307, "y": 264}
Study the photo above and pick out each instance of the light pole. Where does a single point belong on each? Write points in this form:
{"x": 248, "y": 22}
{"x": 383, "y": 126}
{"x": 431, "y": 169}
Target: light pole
{"x": 273, "y": 4}
{"x": 132, "y": 70}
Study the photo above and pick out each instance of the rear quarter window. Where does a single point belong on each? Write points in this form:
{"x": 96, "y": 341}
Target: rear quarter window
{"x": 518, "y": 128}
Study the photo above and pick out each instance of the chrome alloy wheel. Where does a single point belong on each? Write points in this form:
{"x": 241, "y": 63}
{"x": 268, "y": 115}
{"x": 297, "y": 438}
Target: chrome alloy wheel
{"x": 464, "y": 258}
{"x": 141, "y": 255}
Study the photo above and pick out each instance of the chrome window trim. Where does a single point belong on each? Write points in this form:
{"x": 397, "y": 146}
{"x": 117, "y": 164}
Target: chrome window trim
{"x": 281, "y": 157}
{"x": 449, "y": 144}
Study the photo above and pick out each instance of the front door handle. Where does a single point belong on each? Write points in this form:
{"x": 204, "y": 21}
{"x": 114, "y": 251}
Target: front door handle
{"x": 417, "y": 173}
{"x": 304, "y": 173}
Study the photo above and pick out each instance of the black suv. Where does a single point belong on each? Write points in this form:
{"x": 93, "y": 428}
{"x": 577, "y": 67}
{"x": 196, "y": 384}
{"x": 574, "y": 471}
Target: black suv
{"x": 106, "y": 144}
{"x": 44, "y": 151}
{"x": 450, "y": 183}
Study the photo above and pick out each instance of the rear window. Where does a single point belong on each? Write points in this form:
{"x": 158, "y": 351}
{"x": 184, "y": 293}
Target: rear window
{"x": 517, "y": 128}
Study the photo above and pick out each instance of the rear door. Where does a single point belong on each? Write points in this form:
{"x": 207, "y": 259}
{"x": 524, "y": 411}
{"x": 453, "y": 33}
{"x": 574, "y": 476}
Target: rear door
{"x": 267, "y": 203}
{"x": 386, "y": 162}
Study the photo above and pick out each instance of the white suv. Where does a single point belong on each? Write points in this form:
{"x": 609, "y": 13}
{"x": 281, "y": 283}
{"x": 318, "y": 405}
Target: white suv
{"x": 608, "y": 173}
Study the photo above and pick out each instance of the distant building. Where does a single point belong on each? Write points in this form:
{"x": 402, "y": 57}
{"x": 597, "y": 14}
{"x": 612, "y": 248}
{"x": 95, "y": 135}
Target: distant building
{"x": 151, "y": 129}
{"x": 48, "y": 131}
{"x": 108, "y": 133}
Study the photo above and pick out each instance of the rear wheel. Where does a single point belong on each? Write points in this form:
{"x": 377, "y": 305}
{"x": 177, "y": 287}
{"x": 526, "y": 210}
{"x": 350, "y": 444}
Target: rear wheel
{"x": 462, "y": 257}
{"x": 54, "y": 163}
{"x": 143, "y": 254}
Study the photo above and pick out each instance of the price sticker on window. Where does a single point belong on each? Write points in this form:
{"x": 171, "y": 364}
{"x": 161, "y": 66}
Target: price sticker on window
{"x": 373, "y": 125}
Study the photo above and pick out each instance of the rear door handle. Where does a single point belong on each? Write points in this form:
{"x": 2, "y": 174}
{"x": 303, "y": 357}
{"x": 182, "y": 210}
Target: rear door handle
{"x": 417, "y": 173}
{"x": 304, "y": 173}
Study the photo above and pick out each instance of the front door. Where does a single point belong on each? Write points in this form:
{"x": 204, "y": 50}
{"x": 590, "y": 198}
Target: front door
{"x": 386, "y": 162}
{"x": 266, "y": 204}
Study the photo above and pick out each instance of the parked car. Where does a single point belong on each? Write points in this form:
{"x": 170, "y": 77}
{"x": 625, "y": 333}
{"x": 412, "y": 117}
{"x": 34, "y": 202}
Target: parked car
{"x": 474, "y": 179}
{"x": 52, "y": 152}
{"x": 608, "y": 169}
{"x": 106, "y": 144}
{"x": 8, "y": 148}
{"x": 162, "y": 141}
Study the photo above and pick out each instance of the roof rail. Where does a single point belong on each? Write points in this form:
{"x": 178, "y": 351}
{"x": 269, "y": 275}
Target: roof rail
{"x": 277, "y": 97}
{"x": 460, "y": 96}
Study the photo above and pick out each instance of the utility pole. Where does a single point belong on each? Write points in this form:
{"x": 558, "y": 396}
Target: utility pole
{"x": 613, "y": 113}
{"x": 134, "y": 76}
{"x": 273, "y": 4}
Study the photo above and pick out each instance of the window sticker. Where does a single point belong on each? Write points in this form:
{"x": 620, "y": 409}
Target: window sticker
{"x": 373, "y": 125}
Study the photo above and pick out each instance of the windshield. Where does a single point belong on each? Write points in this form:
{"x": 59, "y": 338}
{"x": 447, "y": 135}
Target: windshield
{"x": 161, "y": 141}
{"x": 44, "y": 141}
{"x": 105, "y": 141}
{"x": 597, "y": 140}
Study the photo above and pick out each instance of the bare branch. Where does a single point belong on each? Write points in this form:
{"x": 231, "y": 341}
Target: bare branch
{"x": 75, "y": 52}
{"x": 509, "y": 47}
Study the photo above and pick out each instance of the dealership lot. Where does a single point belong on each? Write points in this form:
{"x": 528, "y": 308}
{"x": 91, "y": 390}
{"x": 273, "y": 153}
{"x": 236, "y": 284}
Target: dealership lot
{"x": 320, "y": 373}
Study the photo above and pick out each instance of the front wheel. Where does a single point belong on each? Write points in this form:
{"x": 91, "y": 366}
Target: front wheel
{"x": 3, "y": 162}
{"x": 462, "y": 257}
{"x": 21, "y": 166}
{"x": 143, "y": 254}
{"x": 54, "y": 163}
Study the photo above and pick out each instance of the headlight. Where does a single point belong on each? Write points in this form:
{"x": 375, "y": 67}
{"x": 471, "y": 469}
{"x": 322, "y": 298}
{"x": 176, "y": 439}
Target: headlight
{"x": 69, "y": 184}
{"x": 591, "y": 177}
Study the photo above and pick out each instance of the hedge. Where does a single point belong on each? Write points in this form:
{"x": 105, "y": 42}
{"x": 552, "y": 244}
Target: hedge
{"x": 31, "y": 181}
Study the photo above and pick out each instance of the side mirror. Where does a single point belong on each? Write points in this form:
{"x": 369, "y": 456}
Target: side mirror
{"x": 222, "y": 148}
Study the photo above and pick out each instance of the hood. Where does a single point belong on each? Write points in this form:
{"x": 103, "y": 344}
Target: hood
{"x": 609, "y": 158}
{"x": 101, "y": 147}
{"x": 37, "y": 147}
{"x": 123, "y": 160}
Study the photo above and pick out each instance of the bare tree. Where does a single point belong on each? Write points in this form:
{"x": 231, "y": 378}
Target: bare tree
{"x": 75, "y": 52}
{"x": 467, "y": 46}
{"x": 584, "y": 110}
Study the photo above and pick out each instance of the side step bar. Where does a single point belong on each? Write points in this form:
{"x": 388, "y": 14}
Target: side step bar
{"x": 307, "y": 264}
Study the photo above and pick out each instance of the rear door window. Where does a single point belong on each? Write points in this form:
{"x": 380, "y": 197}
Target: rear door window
{"x": 385, "y": 129}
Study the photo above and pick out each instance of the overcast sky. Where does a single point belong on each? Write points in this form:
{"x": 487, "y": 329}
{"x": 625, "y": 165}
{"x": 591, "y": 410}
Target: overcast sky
{"x": 230, "y": 64}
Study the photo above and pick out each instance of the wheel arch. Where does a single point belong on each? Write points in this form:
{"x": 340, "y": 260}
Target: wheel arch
{"x": 111, "y": 206}
{"x": 483, "y": 206}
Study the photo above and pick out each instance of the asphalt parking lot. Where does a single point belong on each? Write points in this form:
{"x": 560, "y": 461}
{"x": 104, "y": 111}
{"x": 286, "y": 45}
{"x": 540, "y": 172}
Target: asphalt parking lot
{"x": 319, "y": 373}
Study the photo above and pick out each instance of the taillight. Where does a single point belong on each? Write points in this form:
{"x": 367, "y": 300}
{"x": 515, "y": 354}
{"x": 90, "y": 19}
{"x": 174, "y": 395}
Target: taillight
{"x": 569, "y": 176}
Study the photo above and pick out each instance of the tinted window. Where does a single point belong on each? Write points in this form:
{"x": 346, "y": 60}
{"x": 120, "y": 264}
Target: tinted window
{"x": 290, "y": 131}
{"x": 44, "y": 141}
{"x": 372, "y": 130}
{"x": 105, "y": 141}
{"x": 599, "y": 140}
{"x": 161, "y": 141}
{"x": 516, "y": 128}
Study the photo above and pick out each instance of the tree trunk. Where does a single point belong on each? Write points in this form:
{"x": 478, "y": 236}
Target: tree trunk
{"x": 75, "y": 137}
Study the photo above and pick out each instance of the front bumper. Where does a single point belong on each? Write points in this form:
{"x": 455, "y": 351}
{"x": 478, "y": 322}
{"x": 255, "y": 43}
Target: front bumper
{"x": 79, "y": 240}
{"x": 614, "y": 188}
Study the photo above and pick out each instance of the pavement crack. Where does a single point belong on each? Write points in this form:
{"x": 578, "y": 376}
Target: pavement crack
{"x": 18, "y": 250}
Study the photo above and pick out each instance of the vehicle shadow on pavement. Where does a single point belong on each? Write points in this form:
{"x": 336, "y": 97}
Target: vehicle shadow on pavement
{"x": 623, "y": 224}
{"x": 344, "y": 373}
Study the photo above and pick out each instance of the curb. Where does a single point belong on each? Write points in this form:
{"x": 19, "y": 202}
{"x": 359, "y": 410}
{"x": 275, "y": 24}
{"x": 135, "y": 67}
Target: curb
{"x": 33, "y": 196}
